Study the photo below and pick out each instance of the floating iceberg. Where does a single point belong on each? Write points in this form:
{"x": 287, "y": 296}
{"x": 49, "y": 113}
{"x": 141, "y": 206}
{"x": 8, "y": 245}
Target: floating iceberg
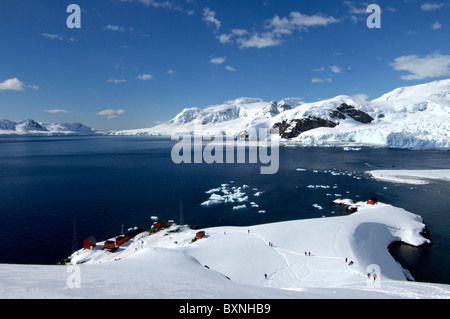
{"x": 317, "y": 206}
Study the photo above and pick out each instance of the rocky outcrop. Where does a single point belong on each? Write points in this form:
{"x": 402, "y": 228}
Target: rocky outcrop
{"x": 296, "y": 127}
{"x": 347, "y": 110}
{"x": 31, "y": 124}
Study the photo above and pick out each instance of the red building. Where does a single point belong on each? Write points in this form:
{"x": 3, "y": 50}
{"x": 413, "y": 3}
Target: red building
{"x": 200, "y": 234}
{"x": 110, "y": 244}
{"x": 121, "y": 239}
{"x": 157, "y": 225}
{"x": 89, "y": 243}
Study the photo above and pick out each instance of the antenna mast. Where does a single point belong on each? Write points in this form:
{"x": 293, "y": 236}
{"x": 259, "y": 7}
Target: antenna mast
{"x": 181, "y": 212}
{"x": 74, "y": 238}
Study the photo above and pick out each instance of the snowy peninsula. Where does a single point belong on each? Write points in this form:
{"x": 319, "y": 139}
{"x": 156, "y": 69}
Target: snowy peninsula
{"x": 331, "y": 257}
{"x": 413, "y": 177}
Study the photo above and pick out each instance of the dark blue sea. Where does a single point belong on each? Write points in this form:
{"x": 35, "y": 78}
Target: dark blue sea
{"x": 55, "y": 188}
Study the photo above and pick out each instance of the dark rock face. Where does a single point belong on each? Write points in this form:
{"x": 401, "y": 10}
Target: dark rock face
{"x": 296, "y": 127}
{"x": 32, "y": 124}
{"x": 347, "y": 110}
{"x": 293, "y": 128}
{"x": 338, "y": 115}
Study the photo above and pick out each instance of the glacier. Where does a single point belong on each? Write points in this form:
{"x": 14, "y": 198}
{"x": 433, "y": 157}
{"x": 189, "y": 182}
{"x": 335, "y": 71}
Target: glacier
{"x": 412, "y": 117}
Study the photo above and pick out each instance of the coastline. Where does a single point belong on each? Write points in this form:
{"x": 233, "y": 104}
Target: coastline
{"x": 232, "y": 261}
{"x": 412, "y": 177}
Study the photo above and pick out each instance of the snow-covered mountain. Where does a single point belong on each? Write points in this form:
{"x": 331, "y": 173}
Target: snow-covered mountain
{"x": 30, "y": 127}
{"x": 415, "y": 117}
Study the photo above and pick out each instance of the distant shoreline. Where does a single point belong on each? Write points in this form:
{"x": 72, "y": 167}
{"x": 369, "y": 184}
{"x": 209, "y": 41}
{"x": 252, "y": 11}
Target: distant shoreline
{"x": 412, "y": 177}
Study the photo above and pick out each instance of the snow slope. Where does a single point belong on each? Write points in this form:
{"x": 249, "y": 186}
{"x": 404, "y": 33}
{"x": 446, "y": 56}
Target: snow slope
{"x": 415, "y": 177}
{"x": 416, "y": 117}
{"x": 30, "y": 127}
{"x": 230, "y": 262}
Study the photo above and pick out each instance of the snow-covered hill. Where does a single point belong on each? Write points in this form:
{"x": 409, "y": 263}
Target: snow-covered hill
{"x": 415, "y": 117}
{"x": 30, "y": 127}
{"x": 315, "y": 258}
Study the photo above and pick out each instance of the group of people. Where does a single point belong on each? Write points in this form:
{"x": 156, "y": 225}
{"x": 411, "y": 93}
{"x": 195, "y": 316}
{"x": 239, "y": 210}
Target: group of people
{"x": 349, "y": 263}
{"x": 374, "y": 276}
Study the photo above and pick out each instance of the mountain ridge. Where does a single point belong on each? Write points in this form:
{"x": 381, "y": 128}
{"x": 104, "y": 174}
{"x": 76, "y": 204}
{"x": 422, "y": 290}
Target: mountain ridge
{"x": 32, "y": 128}
{"x": 414, "y": 117}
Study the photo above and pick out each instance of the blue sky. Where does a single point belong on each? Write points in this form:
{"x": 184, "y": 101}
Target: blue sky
{"x": 135, "y": 63}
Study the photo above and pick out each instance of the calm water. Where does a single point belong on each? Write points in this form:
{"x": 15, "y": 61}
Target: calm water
{"x": 106, "y": 183}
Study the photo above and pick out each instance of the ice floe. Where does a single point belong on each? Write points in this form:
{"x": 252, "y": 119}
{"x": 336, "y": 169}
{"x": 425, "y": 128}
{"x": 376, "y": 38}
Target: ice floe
{"x": 226, "y": 194}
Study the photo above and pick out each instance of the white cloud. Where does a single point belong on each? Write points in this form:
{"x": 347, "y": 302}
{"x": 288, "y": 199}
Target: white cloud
{"x": 239, "y": 32}
{"x": 218, "y": 60}
{"x": 431, "y": 6}
{"x": 115, "y": 28}
{"x": 156, "y": 4}
{"x": 335, "y": 69}
{"x": 436, "y": 26}
{"x": 170, "y": 71}
{"x": 361, "y": 10}
{"x": 298, "y": 21}
{"x": 321, "y": 80}
{"x": 227, "y": 38}
{"x": 224, "y": 38}
{"x": 34, "y": 87}
{"x": 230, "y": 68}
{"x": 116, "y": 81}
{"x": 163, "y": 4}
{"x": 209, "y": 16}
{"x": 275, "y": 29}
{"x": 56, "y": 111}
{"x": 51, "y": 36}
{"x": 431, "y": 66}
{"x": 259, "y": 41}
{"x": 110, "y": 113}
{"x": 145, "y": 77}
{"x": 360, "y": 98}
{"x": 12, "y": 85}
